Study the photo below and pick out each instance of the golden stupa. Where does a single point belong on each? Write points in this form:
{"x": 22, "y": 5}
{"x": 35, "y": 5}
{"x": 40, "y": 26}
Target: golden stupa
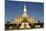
{"x": 19, "y": 19}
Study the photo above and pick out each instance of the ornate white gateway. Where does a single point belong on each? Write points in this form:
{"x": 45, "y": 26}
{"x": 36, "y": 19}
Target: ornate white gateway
{"x": 25, "y": 25}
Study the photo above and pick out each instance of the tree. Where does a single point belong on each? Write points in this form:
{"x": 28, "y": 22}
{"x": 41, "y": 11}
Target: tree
{"x": 39, "y": 21}
{"x": 8, "y": 22}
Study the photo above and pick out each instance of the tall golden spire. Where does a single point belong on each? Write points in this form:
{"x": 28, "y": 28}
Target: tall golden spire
{"x": 25, "y": 8}
{"x": 25, "y": 12}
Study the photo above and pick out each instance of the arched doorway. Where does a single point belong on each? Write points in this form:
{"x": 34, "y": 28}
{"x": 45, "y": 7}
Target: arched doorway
{"x": 24, "y": 24}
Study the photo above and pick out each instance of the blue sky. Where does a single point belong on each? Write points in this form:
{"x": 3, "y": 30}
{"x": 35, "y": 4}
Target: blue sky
{"x": 14, "y": 8}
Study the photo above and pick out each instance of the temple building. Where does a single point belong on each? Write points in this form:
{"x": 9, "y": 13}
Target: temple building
{"x": 25, "y": 19}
